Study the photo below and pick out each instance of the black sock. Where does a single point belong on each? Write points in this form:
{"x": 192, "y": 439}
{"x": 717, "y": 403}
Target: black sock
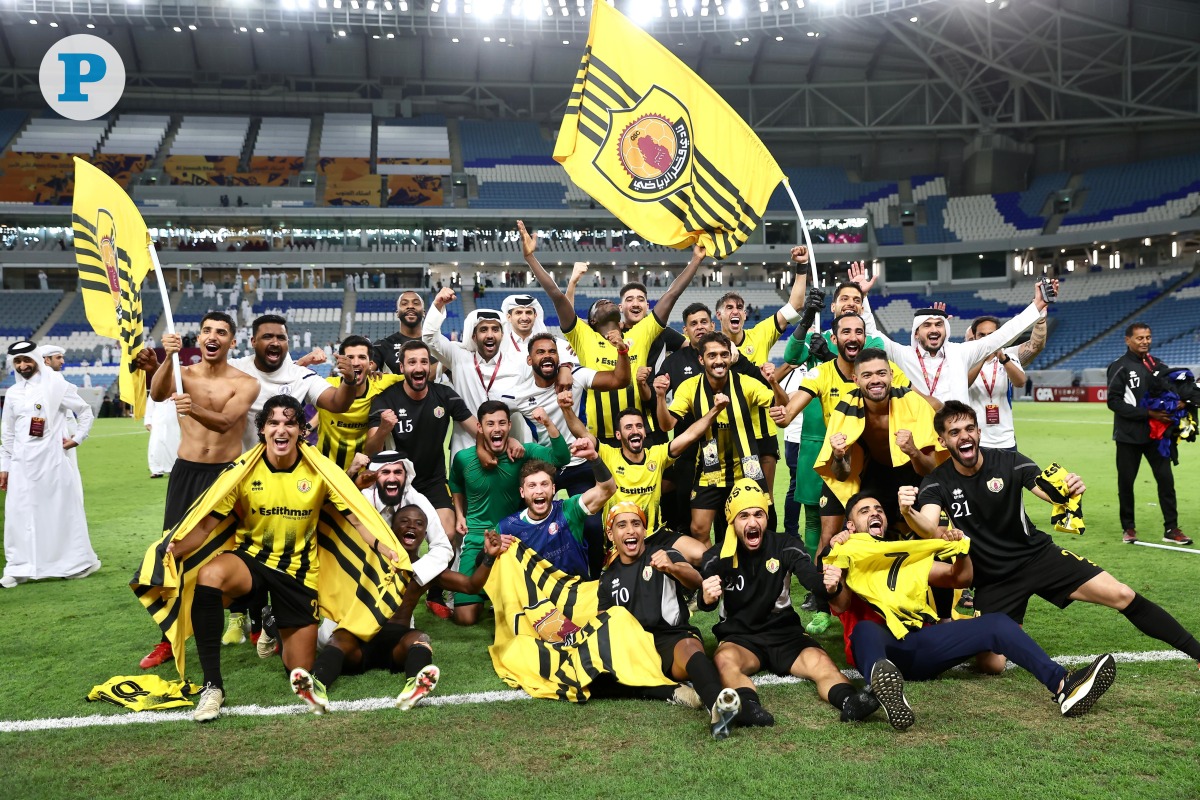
{"x": 748, "y": 696}
{"x": 654, "y": 692}
{"x": 419, "y": 657}
{"x": 329, "y": 665}
{"x": 208, "y": 618}
{"x": 705, "y": 679}
{"x": 1150, "y": 618}
{"x": 838, "y": 694}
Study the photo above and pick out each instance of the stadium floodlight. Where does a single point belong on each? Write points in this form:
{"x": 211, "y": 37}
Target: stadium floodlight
{"x": 354, "y": 4}
{"x": 370, "y": 5}
{"x": 387, "y": 5}
{"x": 337, "y": 3}
{"x": 452, "y": 7}
{"x": 487, "y": 9}
{"x": 177, "y": 29}
{"x": 191, "y": 27}
{"x": 341, "y": 34}
{"x": 391, "y": 36}
{"x": 53, "y": 24}
{"x": 404, "y": 5}
{"x": 779, "y": 38}
{"x": 322, "y": 3}
{"x": 736, "y": 9}
{"x": 91, "y": 26}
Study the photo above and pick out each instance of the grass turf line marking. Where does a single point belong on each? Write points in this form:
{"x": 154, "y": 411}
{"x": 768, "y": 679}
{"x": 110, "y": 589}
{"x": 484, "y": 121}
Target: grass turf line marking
{"x": 381, "y": 703}
{"x": 1167, "y": 547}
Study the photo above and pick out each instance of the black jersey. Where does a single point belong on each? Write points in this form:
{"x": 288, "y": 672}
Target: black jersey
{"x": 421, "y": 425}
{"x": 756, "y": 594}
{"x": 989, "y": 507}
{"x": 386, "y": 352}
{"x": 654, "y": 598}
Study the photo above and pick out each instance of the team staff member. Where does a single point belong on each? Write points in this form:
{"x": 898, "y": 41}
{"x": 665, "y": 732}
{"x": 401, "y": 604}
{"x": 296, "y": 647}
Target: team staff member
{"x": 1130, "y": 377}
{"x": 213, "y": 411}
{"x": 981, "y": 492}
{"x": 277, "y": 505}
{"x": 730, "y": 451}
{"x": 650, "y": 581}
{"x": 750, "y": 576}
{"x": 593, "y": 348}
{"x": 868, "y": 576}
{"x": 416, "y": 414}
{"x": 342, "y": 435}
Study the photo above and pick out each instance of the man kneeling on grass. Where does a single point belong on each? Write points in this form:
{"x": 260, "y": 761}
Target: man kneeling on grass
{"x": 880, "y": 591}
{"x": 750, "y": 575}
{"x": 398, "y": 646}
{"x": 650, "y": 581}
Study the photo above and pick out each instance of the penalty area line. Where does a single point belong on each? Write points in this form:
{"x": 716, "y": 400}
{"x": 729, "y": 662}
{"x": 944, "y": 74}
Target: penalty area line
{"x": 471, "y": 698}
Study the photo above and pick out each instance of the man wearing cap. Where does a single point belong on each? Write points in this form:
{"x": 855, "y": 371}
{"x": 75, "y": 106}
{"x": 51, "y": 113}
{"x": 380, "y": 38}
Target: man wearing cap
{"x": 938, "y": 367}
{"x": 749, "y": 577}
{"x": 651, "y": 581}
{"x": 45, "y": 529}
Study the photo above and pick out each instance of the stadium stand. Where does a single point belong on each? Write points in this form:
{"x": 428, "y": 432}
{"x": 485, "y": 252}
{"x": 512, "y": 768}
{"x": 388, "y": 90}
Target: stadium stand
{"x": 74, "y": 333}
{"x": 22, "y": 312}
{"x": 282, "y": 136}
{"x": 11, "y": 120}
{"x": 828, "y": 189}
{"x": 1176, "y": 334}
{"x": 375, "y": 312}
{"x": 512, "y": 165}
{"x": 210, "y": 136}
{"x": 136, "y": 134}
{"x": 346, "y": 136}
{"x": 1163, "y": 189}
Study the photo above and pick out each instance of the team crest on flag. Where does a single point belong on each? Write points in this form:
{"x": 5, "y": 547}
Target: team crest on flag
{"x": 647, "y": 150}
{"x": 995, "y": 484}
{"x": 303, "y": 485}
{"x": 553, "y": 626}
{"x": 772, "y": 565}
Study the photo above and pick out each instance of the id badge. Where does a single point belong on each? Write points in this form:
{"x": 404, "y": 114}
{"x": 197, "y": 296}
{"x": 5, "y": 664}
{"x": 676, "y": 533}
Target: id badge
{"x": 751, "y": 468}
{"x": 709, "y": 455}
{"x": 991, "y": 414}
{"x": 37, "y": 427}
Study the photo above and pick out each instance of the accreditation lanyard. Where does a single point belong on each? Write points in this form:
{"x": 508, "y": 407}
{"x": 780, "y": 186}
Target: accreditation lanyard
{"x": 937, "y": 376}
{"x": 487, "y": 388}
{"x": 992, "y": 385}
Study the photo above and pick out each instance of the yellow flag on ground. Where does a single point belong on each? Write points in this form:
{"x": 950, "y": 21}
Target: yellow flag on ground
{"x": 656, "y": 146}
{"x": 112, "y": 252}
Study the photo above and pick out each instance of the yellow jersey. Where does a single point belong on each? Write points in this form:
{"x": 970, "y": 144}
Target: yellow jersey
{"x": 277, "y": 512}
{"x": 600, "y": 408}
{"x": 743, "y": 417}
{"x": 340, "y": 436}
{"x": 638, "y": 482}
{"x": 829, "y": 385}
{"x": 757, "y": 341}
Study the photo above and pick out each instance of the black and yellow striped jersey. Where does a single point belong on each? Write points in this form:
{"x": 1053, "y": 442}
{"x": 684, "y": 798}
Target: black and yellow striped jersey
{"x": 340, "y": 436}
{"x": 595, "y": 352}
{"x": 277, "y": 512}
{"x": 736, "y": 428}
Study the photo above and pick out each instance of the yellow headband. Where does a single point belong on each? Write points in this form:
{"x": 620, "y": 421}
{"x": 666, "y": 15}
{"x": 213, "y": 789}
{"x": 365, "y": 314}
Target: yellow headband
{"x": 745, "y": 494}
{"x": 623, "y": 507}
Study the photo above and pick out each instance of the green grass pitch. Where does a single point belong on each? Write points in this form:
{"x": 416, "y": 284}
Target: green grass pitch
{"x": 995, "y": 735}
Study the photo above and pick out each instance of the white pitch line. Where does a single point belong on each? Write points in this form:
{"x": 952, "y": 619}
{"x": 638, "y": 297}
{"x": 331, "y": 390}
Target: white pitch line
{"x": 1070, "y": 421}
{"x": 381, "y": 703}
{"x": 1167, "y": 547}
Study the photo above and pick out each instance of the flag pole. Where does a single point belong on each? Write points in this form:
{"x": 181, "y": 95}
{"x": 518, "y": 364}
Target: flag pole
{"x": 812, "y": 256}
{"x": 166, "y": 301}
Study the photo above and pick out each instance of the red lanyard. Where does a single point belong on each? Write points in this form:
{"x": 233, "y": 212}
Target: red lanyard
{"x": 488, "y": 388}
{"x": 995, "y": 372}
{"x": 516, "y": 344}
{"x": 937, "y": 376}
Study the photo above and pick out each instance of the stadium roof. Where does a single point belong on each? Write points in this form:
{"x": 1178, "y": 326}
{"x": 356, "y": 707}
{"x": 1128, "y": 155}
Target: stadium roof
{"x": 840, "y": 68}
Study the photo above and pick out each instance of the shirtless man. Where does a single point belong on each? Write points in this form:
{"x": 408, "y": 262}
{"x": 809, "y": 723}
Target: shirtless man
{"x": 212, "y": 414}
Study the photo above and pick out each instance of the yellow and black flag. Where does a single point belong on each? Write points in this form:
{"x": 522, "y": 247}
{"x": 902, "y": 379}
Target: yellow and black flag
{"x": 113, "y": 255}
{"x": 551, "y": 639}
{"x": 656, "y": 146}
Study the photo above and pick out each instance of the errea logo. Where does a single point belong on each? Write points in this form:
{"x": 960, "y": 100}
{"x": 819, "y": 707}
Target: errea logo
{"x": 82, "y": 77}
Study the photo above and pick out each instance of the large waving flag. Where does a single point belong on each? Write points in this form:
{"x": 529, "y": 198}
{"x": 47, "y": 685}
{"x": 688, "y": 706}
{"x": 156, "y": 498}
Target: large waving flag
{"x": 112, "y": 250}
{"x": 656, "y": 146}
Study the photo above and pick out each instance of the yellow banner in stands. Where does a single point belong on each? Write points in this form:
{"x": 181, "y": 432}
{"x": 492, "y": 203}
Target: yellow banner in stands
{"x": 112, "y": 251}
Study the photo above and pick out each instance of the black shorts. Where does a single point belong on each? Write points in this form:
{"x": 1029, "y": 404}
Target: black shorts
{"x": 293, "y": 603}
{"x": 768, "y": 447}
{"x": 1052, "y": 575}
{"x": 665, "y": 641}
{"x": 776, "y": 650}
{"x": 829, "y": 504}
{"x": 710, "y": 498}
{"x": 435, "y": 490}
{"x": 377, "y": 653}
{"x": 187, "y": 481}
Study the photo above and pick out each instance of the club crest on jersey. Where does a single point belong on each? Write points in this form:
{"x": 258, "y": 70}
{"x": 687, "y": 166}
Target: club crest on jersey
{"x": 824, "y": 501}
{"x": 749, "y": 349}
{"x": 652, "y": 466}
{"x": 647, "y": 571}
{"x": 439, "y": 412}
{"x": 303, "y": 485}
{"x": 772, "y": 565}
{"x": 995, "y": 484}
{"x": 553, "y": 529}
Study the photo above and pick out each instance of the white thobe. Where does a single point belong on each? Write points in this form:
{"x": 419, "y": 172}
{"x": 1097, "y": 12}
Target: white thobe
{"x": 45, "y": 528}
